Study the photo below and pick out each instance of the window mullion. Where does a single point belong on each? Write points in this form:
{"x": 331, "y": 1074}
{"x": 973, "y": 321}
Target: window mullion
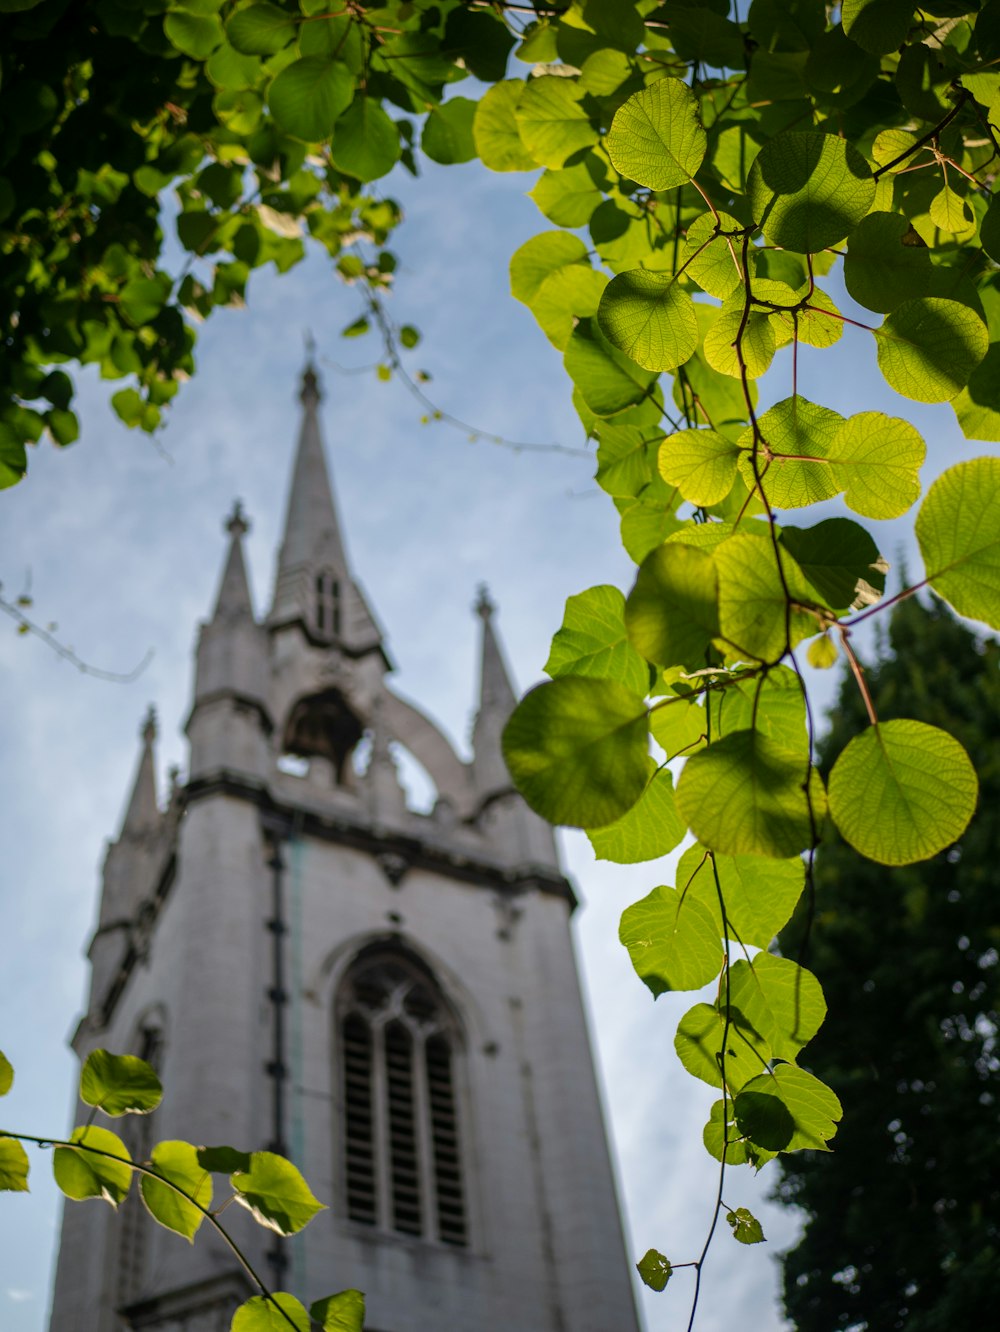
{"x": 425, "y": 1144}
{"x": 383, "y": 1151}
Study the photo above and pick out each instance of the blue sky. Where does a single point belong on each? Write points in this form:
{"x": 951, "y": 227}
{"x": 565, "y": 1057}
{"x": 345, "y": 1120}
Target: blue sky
{"x": 120, "y": 538}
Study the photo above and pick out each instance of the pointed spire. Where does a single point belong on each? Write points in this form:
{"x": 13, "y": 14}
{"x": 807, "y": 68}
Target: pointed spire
{"x": 312, "y": 529}
{"x": 143, "y": 812}
{"x": 496, "y": 693}
{"x": 234, "y": 589}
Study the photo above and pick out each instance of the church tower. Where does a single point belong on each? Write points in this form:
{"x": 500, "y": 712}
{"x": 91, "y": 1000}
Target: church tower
{"x": 389, "y": 998}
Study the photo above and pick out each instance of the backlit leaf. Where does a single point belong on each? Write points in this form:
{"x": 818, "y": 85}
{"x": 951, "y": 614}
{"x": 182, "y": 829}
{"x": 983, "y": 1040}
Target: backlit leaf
{"x": 650, "y": 829}
{"x": 958, "y": 530}
{"x": 344, "y": 1312}
{"x": 787, "y": 1110}
{"x": 671, "y": 613}
{"x": 568, "y": 197}
{"x": 878, "y": 26}
{"x": 808, "y": 190}
{"x": 447, "y": 133}
{"x": 656, "y": 137}
{"x": 780, "y": 999}
{"x": 593, "y": 641}
{"x": 746, "y": 1228}
{"x": 309, "y": 94}
{"x": 744, "y": 795}
{"x": 760, "y": 894}
{"x": 102, "y": 1173}
{"x": 365, "y": 141}
{"x": 496, "y": 130}
{"x": 541, "y": 256}
{"x": 712, "y": 257}
{"x": 13, "y": 1166}
{"x": 576, "y": 749}
{"x": 649, "y": 317}
{"x": 276, "y": 1313}
{"x": 927, "y": 348}
{"x": 672, "y": 941}
{"x": 654, "y": 1269}
{"x": 608, "y": 380}
{"x": 700, "y": 463}
{"x": 552, "y": 123}
{"x": 6, "y": 1074}
{"x": 902, "y": 791}
{"x": 754, "y": 612}
{"x": 277, "y": 1195}
{"x": 798, "y": 433}
{"x": 876, "y": 460}
{"x": 699, "y": 1046}
{"x": 178, "y": 1162}
{"x": 119, "y": 1084}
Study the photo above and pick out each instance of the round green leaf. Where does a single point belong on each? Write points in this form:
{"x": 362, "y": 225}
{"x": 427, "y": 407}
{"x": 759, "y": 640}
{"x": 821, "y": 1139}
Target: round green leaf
{"x": 344, "y": 1312}
{"x": 496, "y": 131}
{"x": 88, "y": 1174}
{"x": 571, "y": 293}
{"x": 177, "y": 1162}
{"x": 308, "y": 95}
{"x": 700, "y": 463}
{"x": 651, "y": 318}
{"x": 195, "y": 34}
{"x": 711, "y": 257}
{"x": 876, "y": 460}
{"x": 746, "y": 1228}
{"x": 447, "y": 133}
{"x": 753, "y": 603}
{"x": 779, "y": 999}
{"x": 787, "y": 1110}
{"x": 275, "y": 1192}
{"x": 239, "y": 109}
{"x": 928, "y": 348}
{"x": 878, "y": 26}
{"x": 261, "y": 29}
{"x": 798, "y": 433}
{"x": 840, "y": 560}
{"x": 654, "y": 1269}
{"x": 552, "y": 123}
{"x": 656, "y": 137}
{"x": 119, "y": 1084}
{"x": 672, "y": 613}
{"x": 541, "y": 256}
{"x": 902, "y": 791}
{"x": 757, "y": 341}
{"x": 276, "y": 1313}
{"x": 699, "y": 1046}
{"x": 13, "y": 1166}
{"x": 365, "y": 141}
{"x": 568, "y": 197}
{"x": 886, "y": 263}
{"x": 808, "y": 190}
{"x": 6, "y": 1074}
{"x": 672, "y": 941}
{"x": 958, "y": 530}
{"x": 593, "y": 641}
{"x": 608, "y": 380}
{"x": 577, "y": 750}
{"x": 650, "y": 829}
{"x": 743, "y": 795}
{"x": 760, "y": 895}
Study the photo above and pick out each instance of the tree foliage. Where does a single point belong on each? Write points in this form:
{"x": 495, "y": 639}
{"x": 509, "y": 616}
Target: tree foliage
{"x": 715, "y": 177}
{"x": 901, "y": 1227}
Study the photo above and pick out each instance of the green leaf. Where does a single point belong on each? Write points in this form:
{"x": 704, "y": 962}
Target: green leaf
{"x": 711, "y": 257}
{"x": 958, "y": 531}
{"x": 794, "y": 431}
{"x": 902, "y": 791}
{"x": 540, "y": 257}
{"x": 576, "y": 749}
{"x": 746, "y": 1228}
{"x": 447, "y": 133}
{"x": 780, "y": 999}
{"x": 672, "y": 613}
{"x": 821, "y": 653}
{"x": 6, "y": 1074}
{"x": 308, "y": 95}
{"x": 142, "y": 299}
{"x": 650, "y": 829}
{"x": 679, "y": 726}
{"x": 552, "y": 123}
{"x": 626, "y": 458}
{"x": 13, "y": 1166}
{"x": 699, "y": 1045}
{"x": 13, "y": 458}
{"x": 840, "y": 560}
{"x": 928, "y": 348}
{"x": 119, "y": 1084}
{"x": 277, "y": 1195}
{"x": 738, "y": 1150}
{"x": 754, "y": 613}
{"x": 651, "y": 318}
{"x": 757, "y": 340}
{"x": 743, "y": 795}
{"x": 365, "y": 141}
{"x": 608, "y": 380}
{"x": 593, "y": 641}
{"x": 760, "y": 895}
{"x": 177, "y": 1162}
{"x": 569, "y": 197}
{"x": 261, "y": 29}
{"x": 876, "y": 460}
{"x": 772, "y": 703}
{"x": 989, "y": 231}
{"x": 239, "y": 109}
{"x": 672, "y": 941}
{"x": 195, "y": 34}
{"x": 496, "y": 130}
{"x": 83, "y": 1174}
{"x": 700, "y": 463}
{"x": 656, "y": 137}
{"x": 344, "y": 1312}
{"x": 223, "y": 1160}
{"x": 878, "y": 26}
{"x": 654, "y": 1269}
{"x": 808, "y": 190}
{"x": 950, "y": 212}
{"x": 787, "y": 1110}
{"x": 276, "y": 1313}
{"x": 573, "y": 292}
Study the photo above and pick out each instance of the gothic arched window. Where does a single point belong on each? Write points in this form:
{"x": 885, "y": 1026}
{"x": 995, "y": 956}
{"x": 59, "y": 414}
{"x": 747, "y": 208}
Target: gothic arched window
{"x": 327, "y": 604}
{"x": 401, "y": 1150}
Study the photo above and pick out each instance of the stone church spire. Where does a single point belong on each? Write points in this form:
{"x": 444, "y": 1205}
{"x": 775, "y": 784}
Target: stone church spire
{"x": 143, "y": 813}
{"x": 496, "y": 703}
{"x": 234, "y": 599}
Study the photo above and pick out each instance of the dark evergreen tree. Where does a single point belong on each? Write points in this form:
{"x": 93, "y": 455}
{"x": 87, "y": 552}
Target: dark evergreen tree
{"x": 903, "y": 1217}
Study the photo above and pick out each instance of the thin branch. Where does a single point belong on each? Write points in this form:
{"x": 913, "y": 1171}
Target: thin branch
{"x": 25, "y": 625}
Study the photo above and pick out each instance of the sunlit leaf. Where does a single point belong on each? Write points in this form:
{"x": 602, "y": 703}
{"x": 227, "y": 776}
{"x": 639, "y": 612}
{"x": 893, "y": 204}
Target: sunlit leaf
{"x": 703, "y": 1034}
{"x": 700, "y": 463}
{"x": 746, "y": 1228}
{"x": 496, "y": 130}
{"x": 275, "y": 1313}
{"x": 760, "y": 894}
{"x": 14, "y": 1166}
{"x": 927, "y": 348}
{"x": 649, "y": 317}
{"x": 672, "y": 941}
{"x": 344, "y": 1312}
{"x": 177, "y": 1162}
{"x": 119, "y": 1084}
{"x": 275, "y": 1193}
{"x": 593, "y": 641}
{"x": 654, "y": 1269}
{"x": 104, "y": 1172}
{"x": 788, "y": 1110}
{"x": 780, "y": 999}
{"x": 656, "y": 137}
{"x": 6, "y": 1074}
{"x": 958, "y": 530}
{"x": 672, "y": 613}
{"x": 808, "y": 190}
{"x": 651, "y": 828}
{"x": 552, "y": 123}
